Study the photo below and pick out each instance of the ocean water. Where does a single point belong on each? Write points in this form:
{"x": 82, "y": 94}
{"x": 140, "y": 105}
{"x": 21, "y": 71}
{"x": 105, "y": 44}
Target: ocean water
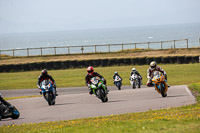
{"x": 99, "y": 37}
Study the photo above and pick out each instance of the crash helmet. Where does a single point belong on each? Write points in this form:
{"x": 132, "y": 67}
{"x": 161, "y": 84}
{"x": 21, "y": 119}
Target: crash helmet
{"x": 90, "y": 70}
{"x": 133, "y": 69}
{"x": 153, "y": 64}
{"x": 44, "y": 72}
{"x": 116, "y": 73}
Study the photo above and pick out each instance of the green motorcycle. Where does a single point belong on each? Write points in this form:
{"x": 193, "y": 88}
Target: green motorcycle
{"x": 99, "y": 88}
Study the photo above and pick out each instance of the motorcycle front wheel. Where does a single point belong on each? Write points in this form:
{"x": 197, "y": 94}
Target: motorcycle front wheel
{"x": 134, "y": 85}
{"x": 103, "y": 96}
{"x": 163, "y": 91}
{"x": 49, "y": 98}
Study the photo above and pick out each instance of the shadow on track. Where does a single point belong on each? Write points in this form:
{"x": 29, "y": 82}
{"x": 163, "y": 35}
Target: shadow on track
{"x": 177, "y": 96}
{"x": 116, "y": 101}
{"x": 61, "y": 104}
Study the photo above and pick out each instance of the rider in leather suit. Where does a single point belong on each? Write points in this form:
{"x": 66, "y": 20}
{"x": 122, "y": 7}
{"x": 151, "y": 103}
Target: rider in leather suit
{"x": 45, "y": 76}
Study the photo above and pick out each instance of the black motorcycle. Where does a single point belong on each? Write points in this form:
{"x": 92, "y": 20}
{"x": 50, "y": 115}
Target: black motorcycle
{"x": 8, "y": 111}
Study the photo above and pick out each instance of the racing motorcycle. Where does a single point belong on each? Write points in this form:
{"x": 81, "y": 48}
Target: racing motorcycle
{"x": 48, "y": 92}
{"x": 99, "y": 88}
{"x": 135, "y": 81}
{"x": 118, "y": 82}
{"x": 159, "y": 83}
{"x": 8, "y": 111}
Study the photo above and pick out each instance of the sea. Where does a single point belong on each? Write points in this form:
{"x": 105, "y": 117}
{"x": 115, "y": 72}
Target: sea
{"x": 97, "y": 37}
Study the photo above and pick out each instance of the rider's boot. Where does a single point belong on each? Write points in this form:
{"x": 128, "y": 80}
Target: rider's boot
{"x": 40, "y": 91}
{"x": 90, "y": 91}
{"x": 56, "y": 91}
{"x": 168, "y": 85}
{"x": 107, "y": 89}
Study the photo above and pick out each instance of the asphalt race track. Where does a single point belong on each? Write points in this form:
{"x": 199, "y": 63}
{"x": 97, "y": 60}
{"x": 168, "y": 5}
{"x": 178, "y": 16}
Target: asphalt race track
{"x": 74, "y": 103}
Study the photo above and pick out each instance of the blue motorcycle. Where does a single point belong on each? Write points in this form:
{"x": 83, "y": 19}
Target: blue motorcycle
{"x": 48, "y": 92}
{"x": 118, "y": 82}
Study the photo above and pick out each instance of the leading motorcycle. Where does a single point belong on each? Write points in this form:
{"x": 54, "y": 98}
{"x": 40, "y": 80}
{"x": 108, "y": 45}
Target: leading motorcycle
{"x": 48, "y": 92}
{"x": 159, "y": 83}
{"x": 99, "y": 88}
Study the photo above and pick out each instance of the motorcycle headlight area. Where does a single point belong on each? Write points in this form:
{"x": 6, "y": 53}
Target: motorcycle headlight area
{"x": 94, "y": 82}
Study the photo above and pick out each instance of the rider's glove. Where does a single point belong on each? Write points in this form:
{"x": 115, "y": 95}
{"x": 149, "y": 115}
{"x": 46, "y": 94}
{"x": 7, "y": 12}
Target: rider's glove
{"x": 102, "y": 79}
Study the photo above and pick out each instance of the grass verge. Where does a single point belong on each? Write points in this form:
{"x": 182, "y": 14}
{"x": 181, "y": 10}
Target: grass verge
{"x": 178, "y": 74}
{"x": 184, "y": 119}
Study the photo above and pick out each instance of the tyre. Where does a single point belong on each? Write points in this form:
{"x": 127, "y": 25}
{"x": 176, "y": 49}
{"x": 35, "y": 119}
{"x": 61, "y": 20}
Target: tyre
{"x": 106, "y": 99}
{"x": 119, "y": 88}
{"x": 134, "y": 85}
{"x": 103, "y": 96}
{"x": 49, "y": 95}
{"x": 163, "y": 91}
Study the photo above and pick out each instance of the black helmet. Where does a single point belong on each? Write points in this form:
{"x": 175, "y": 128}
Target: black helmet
{"x": 44, "y": 72}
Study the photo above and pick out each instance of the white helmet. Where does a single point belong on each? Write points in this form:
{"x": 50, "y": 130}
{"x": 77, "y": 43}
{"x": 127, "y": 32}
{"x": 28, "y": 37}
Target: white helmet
{"x": 153, "y": 64}
{"x": 133, "y": 69}
{"x": 116, "y": 72}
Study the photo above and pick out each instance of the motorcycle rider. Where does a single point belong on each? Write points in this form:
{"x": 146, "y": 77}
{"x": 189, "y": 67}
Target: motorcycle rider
{"x": 116, "y": 74}
{"x": 45, "y": 76}
{"x": 134, "y": 71}
{"x": 90, "y": 75}
{"x": 2, "y": 108}
{"x": 153, "y": 67}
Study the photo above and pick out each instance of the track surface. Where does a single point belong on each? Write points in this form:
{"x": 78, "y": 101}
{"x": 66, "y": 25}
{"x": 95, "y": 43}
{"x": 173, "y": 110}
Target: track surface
{"x": 74, "y": 103}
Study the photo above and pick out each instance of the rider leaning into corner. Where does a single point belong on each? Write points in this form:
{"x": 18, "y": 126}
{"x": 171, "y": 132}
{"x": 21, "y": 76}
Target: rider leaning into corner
{"x": 153, "y": 67}
{"x": 90, "y": 75}
{"x": 45, "y": 76}
{"x": 2, "y": 108}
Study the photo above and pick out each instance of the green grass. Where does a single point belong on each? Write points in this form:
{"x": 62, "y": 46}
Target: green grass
{"x": 177, "y": 75}
{"x": 184, "y": 119}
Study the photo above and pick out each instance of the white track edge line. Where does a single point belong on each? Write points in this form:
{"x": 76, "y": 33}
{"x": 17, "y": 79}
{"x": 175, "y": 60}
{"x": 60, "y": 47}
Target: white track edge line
{"x": 189, "y": 92}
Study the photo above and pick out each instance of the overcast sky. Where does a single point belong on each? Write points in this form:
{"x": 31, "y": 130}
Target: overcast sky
{"x": 56, "y": 15}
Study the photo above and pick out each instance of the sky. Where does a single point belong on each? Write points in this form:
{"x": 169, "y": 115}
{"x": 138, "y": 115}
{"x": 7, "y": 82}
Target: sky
{"x": 18, "y": 16}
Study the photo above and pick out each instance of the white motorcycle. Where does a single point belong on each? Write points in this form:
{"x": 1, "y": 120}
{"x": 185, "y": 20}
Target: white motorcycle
{"x": 135, "y": 81}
